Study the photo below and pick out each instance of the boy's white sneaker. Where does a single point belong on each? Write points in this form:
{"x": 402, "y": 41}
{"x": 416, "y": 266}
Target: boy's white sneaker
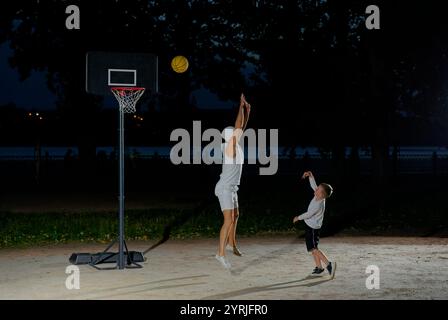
{"x": 223, "y": 261}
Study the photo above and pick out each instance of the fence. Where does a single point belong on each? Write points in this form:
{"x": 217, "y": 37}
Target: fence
{"x": 59, "y": 160}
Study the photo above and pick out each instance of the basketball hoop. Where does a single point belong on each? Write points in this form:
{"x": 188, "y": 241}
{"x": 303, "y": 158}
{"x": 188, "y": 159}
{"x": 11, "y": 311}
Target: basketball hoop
{"x": 126, "y": 75}
{"x": 127, "y": 97}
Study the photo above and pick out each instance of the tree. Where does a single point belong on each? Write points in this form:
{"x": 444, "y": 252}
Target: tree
{"x": 37, "y": 35}
{"x": 318, "y": 74}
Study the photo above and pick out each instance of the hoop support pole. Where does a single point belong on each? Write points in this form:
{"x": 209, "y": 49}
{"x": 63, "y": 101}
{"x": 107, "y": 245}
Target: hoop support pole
{"x": 121, "y": 191}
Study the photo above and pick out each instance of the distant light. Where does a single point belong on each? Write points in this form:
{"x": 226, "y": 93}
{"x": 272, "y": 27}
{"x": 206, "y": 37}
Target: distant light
{"x": 30, "y": 114}
{"x": 37, "y": 113}
{"x": 40, "y": 118}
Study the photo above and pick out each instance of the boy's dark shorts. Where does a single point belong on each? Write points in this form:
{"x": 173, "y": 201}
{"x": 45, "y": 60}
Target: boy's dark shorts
{"x": 311, "y": 238}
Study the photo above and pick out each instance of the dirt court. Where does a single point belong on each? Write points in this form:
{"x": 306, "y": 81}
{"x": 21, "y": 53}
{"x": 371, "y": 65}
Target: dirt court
{"x": 272, "y": 268}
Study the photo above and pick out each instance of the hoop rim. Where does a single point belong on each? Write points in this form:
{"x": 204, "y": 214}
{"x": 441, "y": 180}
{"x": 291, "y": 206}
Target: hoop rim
{"x": 127, "y": 88}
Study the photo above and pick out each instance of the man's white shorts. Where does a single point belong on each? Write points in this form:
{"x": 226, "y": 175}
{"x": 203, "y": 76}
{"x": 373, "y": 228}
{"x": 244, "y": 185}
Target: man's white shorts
{"x": 227, "y": 196}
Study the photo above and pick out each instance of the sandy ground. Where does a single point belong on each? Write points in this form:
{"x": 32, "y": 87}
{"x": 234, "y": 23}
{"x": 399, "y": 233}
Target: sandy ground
{"x": 272, "y": 268}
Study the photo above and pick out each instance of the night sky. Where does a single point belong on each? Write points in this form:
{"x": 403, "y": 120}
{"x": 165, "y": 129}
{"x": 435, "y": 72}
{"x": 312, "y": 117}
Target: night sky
{"x": 32, "y": 93}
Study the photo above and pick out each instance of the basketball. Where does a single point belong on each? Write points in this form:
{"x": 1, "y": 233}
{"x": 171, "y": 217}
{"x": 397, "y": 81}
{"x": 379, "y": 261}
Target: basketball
{"x": 179, "y": 64}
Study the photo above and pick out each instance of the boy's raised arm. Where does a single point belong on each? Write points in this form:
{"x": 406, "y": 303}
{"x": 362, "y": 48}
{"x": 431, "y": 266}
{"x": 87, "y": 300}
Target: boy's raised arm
{"x": 309, "y": 174}
{"x": 313, "y": 183}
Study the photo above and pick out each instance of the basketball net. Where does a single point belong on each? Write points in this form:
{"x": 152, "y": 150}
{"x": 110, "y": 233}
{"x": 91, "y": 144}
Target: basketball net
{"x": 127, "y": 97}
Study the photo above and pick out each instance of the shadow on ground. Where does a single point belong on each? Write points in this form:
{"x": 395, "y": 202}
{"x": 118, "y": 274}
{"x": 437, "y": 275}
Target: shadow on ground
{"x": 264, "y": 258}
{"x": 179, "y": 221}
{"x": 146, "y": 287}
{"x": 308, "y": 281}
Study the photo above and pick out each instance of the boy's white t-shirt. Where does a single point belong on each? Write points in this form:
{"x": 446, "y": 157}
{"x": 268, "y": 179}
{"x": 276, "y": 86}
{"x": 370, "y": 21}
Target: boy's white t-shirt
{"x": 314, "y": 216}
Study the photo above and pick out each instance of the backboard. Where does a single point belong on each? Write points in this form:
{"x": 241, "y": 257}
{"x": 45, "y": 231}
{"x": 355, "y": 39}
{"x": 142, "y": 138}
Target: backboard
{"x": 114, "y": 69}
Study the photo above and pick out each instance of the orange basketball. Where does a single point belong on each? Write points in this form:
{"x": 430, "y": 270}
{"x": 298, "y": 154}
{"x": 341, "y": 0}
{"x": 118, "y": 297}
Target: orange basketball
{"x": 179, "y": 64}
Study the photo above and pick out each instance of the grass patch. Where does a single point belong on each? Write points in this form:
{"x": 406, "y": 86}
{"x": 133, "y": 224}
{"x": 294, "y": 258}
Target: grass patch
{"x": 401, "y": 210}
{"x": 26, "y": 229}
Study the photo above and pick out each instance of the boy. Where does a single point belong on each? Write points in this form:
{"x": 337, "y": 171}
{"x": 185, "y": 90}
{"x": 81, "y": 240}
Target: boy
{"x": 313, "y": 222}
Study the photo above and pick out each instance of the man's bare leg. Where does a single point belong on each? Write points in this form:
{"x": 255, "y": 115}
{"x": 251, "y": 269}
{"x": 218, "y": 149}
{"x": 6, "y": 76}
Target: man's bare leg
{"x": 232, "y": 234}
{"x": 224, "y": 233}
